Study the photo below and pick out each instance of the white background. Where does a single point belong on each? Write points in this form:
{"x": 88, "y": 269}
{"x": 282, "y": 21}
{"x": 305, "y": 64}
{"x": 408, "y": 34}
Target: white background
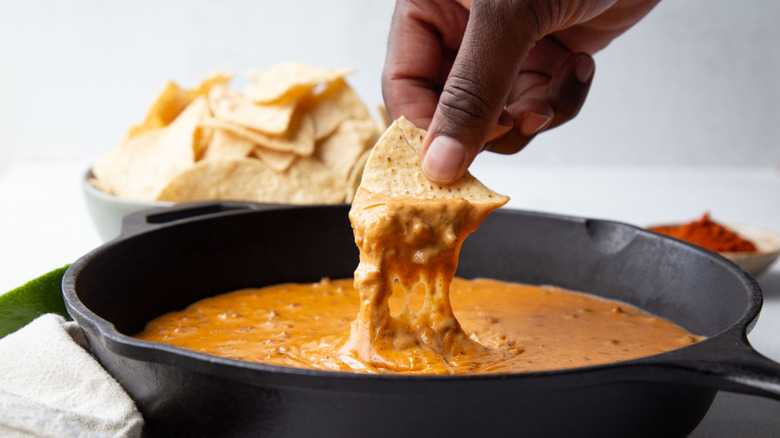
{"x": 695, "y": 83}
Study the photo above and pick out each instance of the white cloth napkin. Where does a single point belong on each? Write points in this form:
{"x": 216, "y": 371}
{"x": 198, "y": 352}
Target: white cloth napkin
{"x": 50, "y": 386}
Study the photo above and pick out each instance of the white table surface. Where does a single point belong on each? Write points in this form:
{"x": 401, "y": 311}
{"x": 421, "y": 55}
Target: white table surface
{"x": 45, "y": 224}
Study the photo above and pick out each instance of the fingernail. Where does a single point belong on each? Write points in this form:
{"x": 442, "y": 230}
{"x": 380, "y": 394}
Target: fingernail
{"x": 499, "y": 131}
{"x": 443, "y": 159}
{"x": 584, "y": 69}
{"x": 533, "y": 123}
{"x": 505, "y": 124}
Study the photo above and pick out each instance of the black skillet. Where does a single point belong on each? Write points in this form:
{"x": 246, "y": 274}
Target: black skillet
{"x": 170, "y": 258}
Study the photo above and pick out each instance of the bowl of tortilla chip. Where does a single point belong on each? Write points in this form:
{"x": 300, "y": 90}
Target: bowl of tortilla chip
{"x": 295, "y": 134}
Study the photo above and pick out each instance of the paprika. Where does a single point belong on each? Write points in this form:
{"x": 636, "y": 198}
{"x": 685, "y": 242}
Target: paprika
{"x": 708, "y": 234}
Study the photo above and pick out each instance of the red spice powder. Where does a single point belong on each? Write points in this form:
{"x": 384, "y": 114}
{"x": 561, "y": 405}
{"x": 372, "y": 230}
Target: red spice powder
{"x": 708, "y": 234}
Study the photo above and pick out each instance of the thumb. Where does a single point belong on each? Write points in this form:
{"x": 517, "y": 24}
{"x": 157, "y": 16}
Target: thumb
{"x": 477, "y": 88}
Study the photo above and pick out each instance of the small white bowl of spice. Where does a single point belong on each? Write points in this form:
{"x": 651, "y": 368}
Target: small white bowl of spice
{"x": 753, "y": 249}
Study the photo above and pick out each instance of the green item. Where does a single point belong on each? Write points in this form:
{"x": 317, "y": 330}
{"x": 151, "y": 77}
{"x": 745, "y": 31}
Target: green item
{"x": 25, "y": 303}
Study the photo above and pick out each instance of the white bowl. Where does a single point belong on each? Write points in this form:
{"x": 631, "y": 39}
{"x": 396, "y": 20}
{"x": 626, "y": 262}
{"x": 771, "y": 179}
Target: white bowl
{"x": 768, "y": 246}
{"x": 108, "y": 210}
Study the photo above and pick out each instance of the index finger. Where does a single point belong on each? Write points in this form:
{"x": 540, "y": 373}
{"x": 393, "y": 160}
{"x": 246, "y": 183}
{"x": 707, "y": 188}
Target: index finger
{"x": 417, "y": 63}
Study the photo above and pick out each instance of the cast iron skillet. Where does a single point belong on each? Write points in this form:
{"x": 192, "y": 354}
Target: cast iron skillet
{"x": 170, "y": 258}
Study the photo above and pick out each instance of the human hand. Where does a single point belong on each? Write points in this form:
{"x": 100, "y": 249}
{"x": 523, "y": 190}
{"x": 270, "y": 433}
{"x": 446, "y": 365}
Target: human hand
{"x": 491, "y": 75}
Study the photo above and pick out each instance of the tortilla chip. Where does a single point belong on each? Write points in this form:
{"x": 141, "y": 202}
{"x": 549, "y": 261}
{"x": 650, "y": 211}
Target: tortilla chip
{"x": 141, "y": 165}
{"x": 172, "y": 101}
{"x": 201, "y": 139}
{"x": 166, "y": 107}
{"x": 340, "y": 150}
{"x": 355, "y": 175}
{"x": 393, "y": 169}
{"x": 100, "y": 185}
{"x": 299, "y": 141}
{"x": 247, "y": 179}
{"x": 384, "y": 117}
{"x": 289, "y": 80}
{"x": 216, "y": 78}
{"x": 338, "y": 102}
{"x": 231, "y": 106}
{"x": 277, "y": 160}
{"x": 225, "y": 144}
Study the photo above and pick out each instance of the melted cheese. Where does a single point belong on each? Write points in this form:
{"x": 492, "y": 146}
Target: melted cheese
{"x": 407, "y": 321}
{"x": 302, "y": 325}
{"x": 414, "y": 243}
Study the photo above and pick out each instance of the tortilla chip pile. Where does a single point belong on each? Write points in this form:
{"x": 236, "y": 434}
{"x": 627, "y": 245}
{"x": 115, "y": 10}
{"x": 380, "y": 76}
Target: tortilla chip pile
{"x": 296, "y": 134}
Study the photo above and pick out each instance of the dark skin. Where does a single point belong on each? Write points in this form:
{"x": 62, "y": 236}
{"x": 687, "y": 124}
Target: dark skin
{"x": 493, "y": 74}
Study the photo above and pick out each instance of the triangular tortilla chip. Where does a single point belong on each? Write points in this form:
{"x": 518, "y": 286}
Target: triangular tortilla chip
{"x": 299, "y": 140}
{"x": 224, "y": 145}
{"x": 247, "y": 179}
{"x": 393, "y": 169}
{"x": 231, "y": 106}
{"x": 353, "y": 179}
{"x": 279, "y": 161}
{"x": 289, "y": 80}
{"x": 340, "y": 150}
{"x": 384, "y": 117}
{"x": 141, "y": 165}
{"x": 172, "y": 100}
{"x": 168, "y": 104}
{"x": 336, "y": 103}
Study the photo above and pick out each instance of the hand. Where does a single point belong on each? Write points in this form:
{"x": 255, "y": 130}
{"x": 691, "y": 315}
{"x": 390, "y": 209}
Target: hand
{"x": 491, "y": 74}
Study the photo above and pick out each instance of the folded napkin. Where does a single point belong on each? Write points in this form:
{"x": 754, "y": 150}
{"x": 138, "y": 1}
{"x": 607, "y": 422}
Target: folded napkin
{"x": 50, "y": 386}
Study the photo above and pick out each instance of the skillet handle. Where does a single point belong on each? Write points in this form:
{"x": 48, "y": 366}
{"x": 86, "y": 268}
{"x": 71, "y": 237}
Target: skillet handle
{"x": 145, "y": 220}
{"x": 732, "y": 364}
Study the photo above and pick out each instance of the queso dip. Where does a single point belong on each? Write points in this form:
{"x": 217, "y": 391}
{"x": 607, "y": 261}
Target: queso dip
{"x": 302, "y": 325}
